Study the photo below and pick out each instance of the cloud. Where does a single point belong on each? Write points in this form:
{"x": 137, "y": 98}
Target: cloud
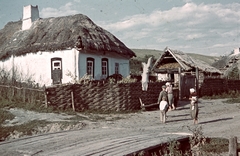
{"x": 189, "y": 14}
{"x": 187, "y": 1}
{"x": 201, "y": 27}
{"x": 61, "y": 11}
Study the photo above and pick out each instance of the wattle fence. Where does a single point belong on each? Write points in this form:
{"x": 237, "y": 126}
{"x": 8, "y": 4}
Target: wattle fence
{"x": 102, "y": 96}
{"x": 218, "y": 86}
{"x": 106, "y": 96}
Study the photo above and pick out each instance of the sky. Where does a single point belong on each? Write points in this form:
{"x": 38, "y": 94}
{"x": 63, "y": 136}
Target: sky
{"x": 208, "y": 27}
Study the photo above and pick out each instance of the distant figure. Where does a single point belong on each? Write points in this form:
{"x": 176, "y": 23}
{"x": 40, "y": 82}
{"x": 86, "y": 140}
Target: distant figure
{"x": 163, "y": 97}
{"x": 163, "y": 109}
{"x": 169, "y": 90}
{"x": 194, "y": 105}
{"x": 145, "y": 74}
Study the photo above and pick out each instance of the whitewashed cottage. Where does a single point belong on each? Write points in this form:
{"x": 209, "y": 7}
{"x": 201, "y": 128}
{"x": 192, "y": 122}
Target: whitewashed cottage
{"x": 48, "y": 50}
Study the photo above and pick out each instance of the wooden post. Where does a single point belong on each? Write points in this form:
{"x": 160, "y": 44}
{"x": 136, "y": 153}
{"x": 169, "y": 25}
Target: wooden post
{"x": 179, "y": 83}
{"x": 46, "y": 102}
{"x": 45, "y": 96}
{"x": 197, "y": 80}
{"x": 233, "y": 146}
{"x": 13, "y": 93}
{"x": 24, "y": 94}
{"x": 73, "y": 107}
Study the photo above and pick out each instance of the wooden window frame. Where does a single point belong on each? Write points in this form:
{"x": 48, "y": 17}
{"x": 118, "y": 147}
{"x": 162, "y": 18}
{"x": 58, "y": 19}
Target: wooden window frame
{"x": 90, "y": 64}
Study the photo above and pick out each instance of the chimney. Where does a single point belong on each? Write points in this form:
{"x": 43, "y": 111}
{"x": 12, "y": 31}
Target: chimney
{"x": 30, "y": 14}
{"x": 236, "y": 51}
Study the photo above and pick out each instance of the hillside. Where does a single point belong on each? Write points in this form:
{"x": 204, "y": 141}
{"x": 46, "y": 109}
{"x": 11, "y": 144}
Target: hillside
{"x": 141, "y": 53}
{"x": 144, "y": 54}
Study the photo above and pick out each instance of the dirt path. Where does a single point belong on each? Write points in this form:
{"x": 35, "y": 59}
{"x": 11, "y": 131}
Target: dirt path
{"x": 131, "y": 132}
{"x": 23, "y": 116}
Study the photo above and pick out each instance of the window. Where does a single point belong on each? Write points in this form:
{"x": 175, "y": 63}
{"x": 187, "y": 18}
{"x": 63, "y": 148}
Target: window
{"x": 90, "y": 66}
{"x": 56, "y": 65}
{"x": 116, "y": 68}
{"x": 104, "y": 67}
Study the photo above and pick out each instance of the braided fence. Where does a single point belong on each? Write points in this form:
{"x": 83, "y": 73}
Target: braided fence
{"x": 102, "y": 96}
{"x": 218, "y": 86}
{"x": 106, "y": 96}
{"x": 122, "y": 96}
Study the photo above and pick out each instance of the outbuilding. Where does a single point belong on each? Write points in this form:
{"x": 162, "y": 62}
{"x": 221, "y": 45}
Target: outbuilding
{"x": 183, "y": 71}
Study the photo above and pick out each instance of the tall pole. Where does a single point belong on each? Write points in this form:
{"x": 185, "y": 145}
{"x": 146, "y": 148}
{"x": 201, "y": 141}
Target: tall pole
{"x": 179, "y": 83}
{"x": 197, "y": 80}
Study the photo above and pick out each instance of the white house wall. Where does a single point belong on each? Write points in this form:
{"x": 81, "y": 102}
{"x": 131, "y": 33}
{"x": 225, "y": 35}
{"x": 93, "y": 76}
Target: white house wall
{"x": 163, "y": 77}
{"x": 37, "y": 66}
{"x": 123, "y": 65}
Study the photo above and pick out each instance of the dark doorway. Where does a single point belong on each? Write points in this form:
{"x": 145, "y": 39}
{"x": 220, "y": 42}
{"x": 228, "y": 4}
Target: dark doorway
{"x": 56, "y": 70}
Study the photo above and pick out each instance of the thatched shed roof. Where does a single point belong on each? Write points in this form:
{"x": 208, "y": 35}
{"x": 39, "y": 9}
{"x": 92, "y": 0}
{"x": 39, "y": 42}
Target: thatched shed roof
{"x": 171, "y": 60}
{"x": 51, "y": 34}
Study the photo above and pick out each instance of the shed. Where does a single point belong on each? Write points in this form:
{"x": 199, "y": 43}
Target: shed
{"x": 184, "y": 71}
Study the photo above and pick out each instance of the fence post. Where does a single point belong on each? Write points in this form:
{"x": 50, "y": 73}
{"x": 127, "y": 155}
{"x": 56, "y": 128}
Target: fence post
{"x": 13, "y": 93}
{"x": 73, "y": 107}
{"x": 233, "y": 146}
{"x": 45, "y": 96}
{"x": 24, "y": 94}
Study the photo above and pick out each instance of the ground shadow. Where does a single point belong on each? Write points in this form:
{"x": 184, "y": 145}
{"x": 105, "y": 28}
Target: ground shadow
{"x": 205, "y": 122}
{"x": 167, "y": 121}
{"x": 183, "y": 103}
{"x": 182, "y": 108}
{"x": 180, "y": 115}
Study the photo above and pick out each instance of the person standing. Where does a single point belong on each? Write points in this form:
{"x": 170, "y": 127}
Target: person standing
{"x": 193, "y": 105}
{"x": 169, "y": 91}
{"x": 163, "y": 107}
{"x": 163, "y": 97}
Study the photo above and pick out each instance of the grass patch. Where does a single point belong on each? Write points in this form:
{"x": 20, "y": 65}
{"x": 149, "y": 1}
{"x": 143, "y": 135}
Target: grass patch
{"x": 5, "y": 115}
{"x": 35, "y": 127}
{"x": 5, "y": 103}
{"x": 24, "y": 129}
{"x": 232, "y": 100}
{"x": 231, "y": 96}
{"x": 215, "y": 145}
{"x": 183, "y": 148}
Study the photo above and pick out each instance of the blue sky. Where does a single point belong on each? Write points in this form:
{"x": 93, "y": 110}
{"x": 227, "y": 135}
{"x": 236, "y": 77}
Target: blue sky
{"x": 209, "y": 27}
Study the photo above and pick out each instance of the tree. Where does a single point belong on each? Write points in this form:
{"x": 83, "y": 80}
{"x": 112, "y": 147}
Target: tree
{"x": 234, "y": 73}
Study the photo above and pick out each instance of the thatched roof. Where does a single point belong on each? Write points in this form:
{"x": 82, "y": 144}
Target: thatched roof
{"x": 228, "y": 63}
{"x": 170, "y": 60}
{"x": 59, "y": 33}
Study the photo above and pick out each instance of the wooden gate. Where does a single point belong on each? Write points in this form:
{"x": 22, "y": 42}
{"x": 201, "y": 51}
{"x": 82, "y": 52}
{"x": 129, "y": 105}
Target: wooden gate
{"x": 187, "y": 82}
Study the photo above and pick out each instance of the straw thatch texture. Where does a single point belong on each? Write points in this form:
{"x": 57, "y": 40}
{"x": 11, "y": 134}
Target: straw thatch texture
{"x": 60, "y": 33}
{"x": 172, "y": 59}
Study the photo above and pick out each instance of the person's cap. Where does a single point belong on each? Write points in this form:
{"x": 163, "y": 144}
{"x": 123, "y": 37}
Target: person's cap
{"x": 163, "y": 86}
{"x": 167, "y": 84}
{"x": 192, "y": 90}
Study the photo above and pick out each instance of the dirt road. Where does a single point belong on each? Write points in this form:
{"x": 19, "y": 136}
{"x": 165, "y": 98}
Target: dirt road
{"x": 131, "y": 132}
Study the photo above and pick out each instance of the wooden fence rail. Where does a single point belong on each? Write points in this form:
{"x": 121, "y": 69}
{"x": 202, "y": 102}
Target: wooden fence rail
{"x": 22, "y": 94}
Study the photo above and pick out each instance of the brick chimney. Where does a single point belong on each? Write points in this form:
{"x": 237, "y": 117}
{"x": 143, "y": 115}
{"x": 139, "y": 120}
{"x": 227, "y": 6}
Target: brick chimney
{"x": 30, "y": 14}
